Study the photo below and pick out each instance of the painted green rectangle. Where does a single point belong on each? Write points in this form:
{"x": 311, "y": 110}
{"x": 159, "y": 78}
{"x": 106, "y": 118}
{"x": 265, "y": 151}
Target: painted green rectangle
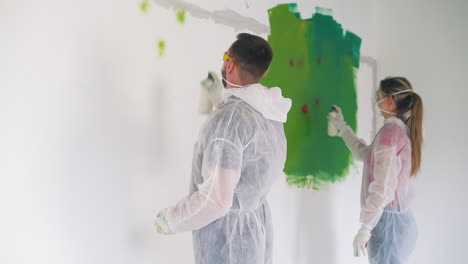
{"x": 315, "y": 63}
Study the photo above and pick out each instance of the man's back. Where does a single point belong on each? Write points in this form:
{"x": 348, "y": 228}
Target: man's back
{"x": 241, "y": 151}
{"x": 244, "y": 234}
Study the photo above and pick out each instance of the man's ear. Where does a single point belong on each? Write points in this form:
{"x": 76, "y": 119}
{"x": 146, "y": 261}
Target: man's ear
{"x": 230, "y": 66}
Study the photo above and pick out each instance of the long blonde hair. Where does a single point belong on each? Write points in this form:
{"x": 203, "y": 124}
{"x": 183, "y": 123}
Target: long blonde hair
{"x": 410, "y": 110}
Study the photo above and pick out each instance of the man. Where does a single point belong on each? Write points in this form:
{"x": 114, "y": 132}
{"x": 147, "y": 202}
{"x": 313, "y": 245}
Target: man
{"x": 241, "y": 151}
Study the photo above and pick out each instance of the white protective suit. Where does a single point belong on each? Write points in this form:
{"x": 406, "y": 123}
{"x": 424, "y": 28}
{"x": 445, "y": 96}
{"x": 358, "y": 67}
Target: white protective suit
{"x": 387, "y": 191}
{"x": 241, "y": 151}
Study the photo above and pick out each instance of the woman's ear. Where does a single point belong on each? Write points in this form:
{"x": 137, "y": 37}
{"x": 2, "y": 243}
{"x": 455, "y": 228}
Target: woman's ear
{"x": 392, "y": 103}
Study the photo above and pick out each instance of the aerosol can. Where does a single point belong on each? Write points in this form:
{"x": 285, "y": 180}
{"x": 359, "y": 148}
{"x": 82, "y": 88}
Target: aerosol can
{"x": 205, "y": 105}
{"x": 332, "y": 129}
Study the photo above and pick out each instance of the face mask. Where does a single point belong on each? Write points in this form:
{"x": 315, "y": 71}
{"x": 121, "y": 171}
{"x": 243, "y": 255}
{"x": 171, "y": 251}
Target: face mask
{"x": 225, "y": 82}
{"x": 389, "y": 112}
{"x": 232, "y": 84}
{"x": 383, "y": 110}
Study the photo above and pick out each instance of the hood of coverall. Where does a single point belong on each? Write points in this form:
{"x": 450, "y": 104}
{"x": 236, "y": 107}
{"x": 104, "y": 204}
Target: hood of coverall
{"x": 268, "y": 101}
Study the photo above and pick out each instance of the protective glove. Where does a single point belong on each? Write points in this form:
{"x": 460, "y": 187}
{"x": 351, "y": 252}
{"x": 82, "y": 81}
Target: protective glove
{"x": 161, "y": 223}
{"x": 360, "y": 241}
{"x": 212, "y": 84}
{"x": 338, "y": 119}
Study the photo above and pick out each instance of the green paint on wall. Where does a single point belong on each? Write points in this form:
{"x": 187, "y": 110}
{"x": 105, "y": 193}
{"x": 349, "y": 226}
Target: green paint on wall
{"x": 161, "y": 47}
{"x": 315, "y": 63}
{"x": 180, "y": 14}
{"x": 144, "y": 5}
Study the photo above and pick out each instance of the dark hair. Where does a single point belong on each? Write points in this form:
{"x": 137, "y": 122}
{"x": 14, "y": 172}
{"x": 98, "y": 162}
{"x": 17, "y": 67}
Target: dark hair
{"x": 410, "y": 110}
{"x": 253, "y": 53}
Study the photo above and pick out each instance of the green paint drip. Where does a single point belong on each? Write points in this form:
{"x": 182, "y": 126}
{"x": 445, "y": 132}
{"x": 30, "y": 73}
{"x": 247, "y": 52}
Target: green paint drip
{"x": 144, "y": 5}
{"x": 180, "y": 14}
{"x": 315, "y": 64}
{"x": 161, "y": 47}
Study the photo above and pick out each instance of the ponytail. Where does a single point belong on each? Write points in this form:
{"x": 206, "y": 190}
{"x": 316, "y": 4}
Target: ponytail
{"x": 416, "y": 136}
{"x": 410, "y": 107}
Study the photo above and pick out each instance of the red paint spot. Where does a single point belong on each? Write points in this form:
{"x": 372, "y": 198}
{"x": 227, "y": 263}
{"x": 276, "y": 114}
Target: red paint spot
{"x": 317, "y": 101}
{"x": 366, "y": 244}
{"x": 319, "y": 60}
{"x": 305, "y": 108}
{"x": 291, "y": 62}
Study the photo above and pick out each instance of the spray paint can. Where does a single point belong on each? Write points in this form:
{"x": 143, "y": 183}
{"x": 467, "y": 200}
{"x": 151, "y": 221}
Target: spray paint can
{"x": 205, "y": 105}
{"x": 332, "y": 129}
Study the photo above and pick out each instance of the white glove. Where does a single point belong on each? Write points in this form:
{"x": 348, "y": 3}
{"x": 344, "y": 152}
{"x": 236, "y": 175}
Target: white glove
{"x": 338, "y": 119}
{"x": 360, "y": 241}
{"x": 161, "y": 224}
{"x": 214, "y": 87}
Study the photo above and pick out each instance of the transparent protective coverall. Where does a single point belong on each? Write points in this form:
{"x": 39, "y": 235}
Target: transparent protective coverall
{"x": 240, "y": 153}
{"x": 387, "y": 191}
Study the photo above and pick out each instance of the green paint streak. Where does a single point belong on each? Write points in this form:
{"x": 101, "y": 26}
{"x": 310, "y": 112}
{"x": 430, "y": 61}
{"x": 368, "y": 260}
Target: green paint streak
{"x": 180, "y": 14}
{"x": 144, "y": 5}
{"x": 161, "y": 47}
{"x": 315, "y": 64}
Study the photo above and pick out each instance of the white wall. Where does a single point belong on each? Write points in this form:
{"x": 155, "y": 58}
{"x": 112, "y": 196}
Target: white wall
{"x": 427, "y": 42}
{"x": 97, "y": 130}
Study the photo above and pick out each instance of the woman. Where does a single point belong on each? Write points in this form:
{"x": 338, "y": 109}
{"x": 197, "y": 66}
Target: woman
{"x": 388, "y": 229}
